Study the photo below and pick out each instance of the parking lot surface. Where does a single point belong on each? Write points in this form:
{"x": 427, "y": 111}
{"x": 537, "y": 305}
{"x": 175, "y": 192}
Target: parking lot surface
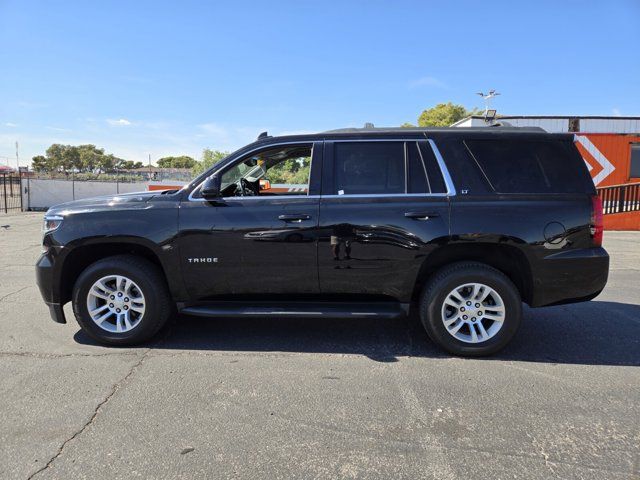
{"x": 297, "y": 398}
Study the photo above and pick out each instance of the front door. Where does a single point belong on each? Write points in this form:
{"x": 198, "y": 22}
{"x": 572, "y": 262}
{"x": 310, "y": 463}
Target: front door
{"x": 261, "y": 236}
{"x": 384, "y": 208}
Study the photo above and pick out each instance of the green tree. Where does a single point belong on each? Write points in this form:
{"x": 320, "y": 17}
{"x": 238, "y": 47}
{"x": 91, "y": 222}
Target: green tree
{"x": 56, "y": 157}
{"x": 292, "y": 171}
{"x": 442, "y": 115}
{"x": 106, "y": 163}
{"x": 183, "y": 161}
{"x": 209, "y": 159}
{"x": 89, "y": 157}
{"x": 40, "y": 163}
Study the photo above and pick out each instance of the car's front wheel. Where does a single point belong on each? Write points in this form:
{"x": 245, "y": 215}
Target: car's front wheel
{"x": 121, "y": 300}
{"x": 470, "y": 309}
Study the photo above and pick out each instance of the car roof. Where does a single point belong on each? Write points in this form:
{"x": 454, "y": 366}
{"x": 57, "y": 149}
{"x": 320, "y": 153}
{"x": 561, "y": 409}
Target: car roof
{"x": 437, "y": 133}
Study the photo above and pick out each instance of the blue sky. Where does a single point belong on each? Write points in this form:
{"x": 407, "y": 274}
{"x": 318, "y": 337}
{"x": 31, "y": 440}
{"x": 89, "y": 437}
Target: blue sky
{"x": 140, "y": 77}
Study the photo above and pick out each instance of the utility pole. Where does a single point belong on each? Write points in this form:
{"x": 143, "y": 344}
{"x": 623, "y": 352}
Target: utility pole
{"x": 149, "y": 166}
{"x": 17, "y": 158}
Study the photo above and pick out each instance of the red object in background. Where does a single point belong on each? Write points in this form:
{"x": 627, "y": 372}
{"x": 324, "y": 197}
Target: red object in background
{"x": 164, "y": 187}
{"x": 597, "y": 225}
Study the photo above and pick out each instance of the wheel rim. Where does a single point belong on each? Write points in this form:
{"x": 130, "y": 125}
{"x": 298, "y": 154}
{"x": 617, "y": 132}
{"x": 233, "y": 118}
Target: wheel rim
{"x": 473, "y": 313}
{"x": 116, "y": 303}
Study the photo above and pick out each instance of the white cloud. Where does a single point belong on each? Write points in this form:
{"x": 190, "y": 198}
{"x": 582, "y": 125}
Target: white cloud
{"x": 427, "y": 82}
{"x": 616, "y": 112}
{"x": 11, "y": 125}
{"x": 118, "y": 123}
{"x": 58, "y": 129}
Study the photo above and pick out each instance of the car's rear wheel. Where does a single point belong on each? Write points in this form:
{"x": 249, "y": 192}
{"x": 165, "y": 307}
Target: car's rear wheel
{"x": 470, "y": 309}
{"x": 121, "y": 300}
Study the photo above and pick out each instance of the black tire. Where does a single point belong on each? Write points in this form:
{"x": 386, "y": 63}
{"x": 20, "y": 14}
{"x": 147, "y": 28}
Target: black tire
{"x": 151, "y": 282}
{"x": 457, "y": 274}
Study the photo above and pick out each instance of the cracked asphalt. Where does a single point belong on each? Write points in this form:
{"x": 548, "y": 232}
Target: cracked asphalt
{"x": 297, "y": 398}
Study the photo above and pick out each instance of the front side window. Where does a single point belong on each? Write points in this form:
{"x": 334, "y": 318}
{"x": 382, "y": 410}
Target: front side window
{"x": 283, "y": 170}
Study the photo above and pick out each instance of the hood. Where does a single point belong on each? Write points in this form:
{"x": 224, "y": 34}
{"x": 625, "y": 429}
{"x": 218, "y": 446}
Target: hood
{"x": 106, "y": 202}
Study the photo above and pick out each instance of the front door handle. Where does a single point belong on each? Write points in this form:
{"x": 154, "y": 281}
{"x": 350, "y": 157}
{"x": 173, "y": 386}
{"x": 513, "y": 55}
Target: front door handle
{"x": 294, "y": 217}
{"x": 421, "y": 215}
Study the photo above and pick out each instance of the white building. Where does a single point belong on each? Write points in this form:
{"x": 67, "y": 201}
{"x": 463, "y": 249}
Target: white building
{"x": 559, "y": 124}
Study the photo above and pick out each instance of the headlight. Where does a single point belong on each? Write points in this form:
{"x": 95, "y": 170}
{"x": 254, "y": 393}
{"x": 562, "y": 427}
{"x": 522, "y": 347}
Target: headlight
{"x": 51, "y": 223}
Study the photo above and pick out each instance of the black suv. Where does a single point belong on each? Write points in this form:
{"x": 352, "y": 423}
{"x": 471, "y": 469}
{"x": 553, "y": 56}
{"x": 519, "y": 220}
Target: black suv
{"x": 461, "y": 225}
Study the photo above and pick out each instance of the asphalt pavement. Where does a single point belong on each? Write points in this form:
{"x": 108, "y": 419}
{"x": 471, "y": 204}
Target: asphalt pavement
{"x": 301, "y": 398}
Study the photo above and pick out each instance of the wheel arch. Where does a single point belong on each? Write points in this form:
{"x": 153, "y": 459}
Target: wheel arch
{"x": 80, "y": 257}
{"x": 508, "y": 259}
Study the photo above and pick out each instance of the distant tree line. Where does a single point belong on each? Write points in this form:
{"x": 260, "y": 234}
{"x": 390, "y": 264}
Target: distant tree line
{"x": 90, "y": 159}
{"x": 183, "y": 161}
{"x": 80, "y": 158}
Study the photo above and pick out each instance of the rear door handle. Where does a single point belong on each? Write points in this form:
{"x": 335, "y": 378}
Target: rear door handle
{"x": 294, "y": 217}
{"x": 421, "y": 215}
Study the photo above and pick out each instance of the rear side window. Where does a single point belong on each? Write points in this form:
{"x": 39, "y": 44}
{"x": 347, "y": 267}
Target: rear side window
{"x": 417, "y": 181}
{"x": 386, "y": 168}
{"x": 531, "y": 166}
{"x": 436, "y": 182}
{"x": 369, "y": 168}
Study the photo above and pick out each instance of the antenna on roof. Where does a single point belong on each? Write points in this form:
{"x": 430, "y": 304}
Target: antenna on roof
{"x": 487, "y": 101}
{"x": 263, "y": 135}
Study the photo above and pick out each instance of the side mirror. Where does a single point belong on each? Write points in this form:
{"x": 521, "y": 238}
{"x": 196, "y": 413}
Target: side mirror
{"x": 211, "y": 187}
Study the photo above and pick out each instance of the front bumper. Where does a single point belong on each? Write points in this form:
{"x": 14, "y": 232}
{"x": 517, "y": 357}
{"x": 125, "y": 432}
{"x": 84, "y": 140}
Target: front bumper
{"x": 45, "y": 281}
{"x": 56, "y": 312}
{"x": 569, "y": 277}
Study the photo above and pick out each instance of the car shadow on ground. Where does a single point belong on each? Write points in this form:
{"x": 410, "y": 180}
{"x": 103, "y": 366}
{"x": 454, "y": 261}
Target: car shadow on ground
{"x": 590, "y": 333}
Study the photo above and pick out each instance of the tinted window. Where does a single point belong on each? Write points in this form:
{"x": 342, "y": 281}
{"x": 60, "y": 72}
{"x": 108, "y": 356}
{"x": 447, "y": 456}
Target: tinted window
{"x": 369, "y": 168}
{"x": 433, "y": 170}
{"x": 525, "y": 166}
{"x": 464, "y": 171}
{"x": 634, "y": 170}
{"x": 417, "y": 176}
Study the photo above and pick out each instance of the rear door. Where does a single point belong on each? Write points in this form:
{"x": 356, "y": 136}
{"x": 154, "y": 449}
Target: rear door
{"x": 384, "y": 207}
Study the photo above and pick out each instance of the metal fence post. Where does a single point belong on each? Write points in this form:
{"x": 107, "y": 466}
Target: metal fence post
{"x": 621, "y": 196}
{"x": 4, "y": 188}
{"x": 20, "y": 191}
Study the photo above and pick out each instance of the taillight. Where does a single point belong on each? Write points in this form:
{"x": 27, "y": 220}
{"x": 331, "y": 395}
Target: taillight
{"x": 597, "y": 226}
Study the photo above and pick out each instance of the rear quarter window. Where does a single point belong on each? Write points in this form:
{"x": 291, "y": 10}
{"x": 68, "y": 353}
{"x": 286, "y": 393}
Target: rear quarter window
{"x": 531, "y": 166}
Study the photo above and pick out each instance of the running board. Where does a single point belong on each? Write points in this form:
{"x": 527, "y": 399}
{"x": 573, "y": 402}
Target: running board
{"x": 298, "y": 309}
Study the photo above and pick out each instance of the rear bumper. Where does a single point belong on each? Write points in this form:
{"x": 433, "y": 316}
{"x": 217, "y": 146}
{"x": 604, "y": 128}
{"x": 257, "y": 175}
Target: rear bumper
{"x": 571, "y": 276}
{"x": 45, "y": 281}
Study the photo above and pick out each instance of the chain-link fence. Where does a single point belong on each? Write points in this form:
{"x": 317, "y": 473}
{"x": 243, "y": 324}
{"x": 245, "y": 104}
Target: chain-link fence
{"x": 152, "y": 174}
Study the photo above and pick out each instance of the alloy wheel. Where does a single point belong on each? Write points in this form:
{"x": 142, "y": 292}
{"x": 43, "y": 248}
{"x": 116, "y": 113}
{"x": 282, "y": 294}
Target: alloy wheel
{"x": 473, "y": 312}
